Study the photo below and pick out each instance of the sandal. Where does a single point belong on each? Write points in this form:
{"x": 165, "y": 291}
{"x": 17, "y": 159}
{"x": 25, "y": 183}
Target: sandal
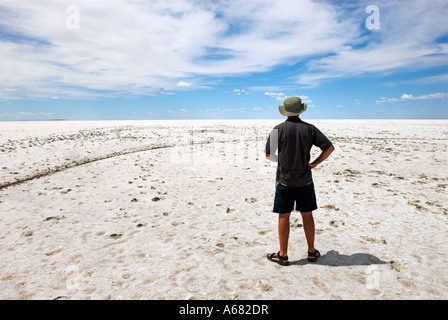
{"x": 283, "y": 261}
{"x": 312, "y": 256}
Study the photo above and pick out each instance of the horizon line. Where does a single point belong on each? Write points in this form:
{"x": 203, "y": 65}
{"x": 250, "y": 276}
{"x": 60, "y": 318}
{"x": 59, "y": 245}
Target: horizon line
{"x": 63, "y": 120}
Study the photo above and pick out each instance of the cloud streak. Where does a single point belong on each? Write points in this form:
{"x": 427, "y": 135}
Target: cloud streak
{"x": 407, "y": 40}
{"x": 409, "y": 97}
{"x": 132, "y": 48}
{"x": 144, "y": 47}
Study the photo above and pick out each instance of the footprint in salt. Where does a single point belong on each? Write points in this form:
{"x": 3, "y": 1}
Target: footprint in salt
{"x": 337, "y": 223}
{"x": 396, "y": 266}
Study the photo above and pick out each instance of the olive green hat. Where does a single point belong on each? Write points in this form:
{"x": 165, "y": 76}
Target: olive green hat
{"x": 292, "y": 106}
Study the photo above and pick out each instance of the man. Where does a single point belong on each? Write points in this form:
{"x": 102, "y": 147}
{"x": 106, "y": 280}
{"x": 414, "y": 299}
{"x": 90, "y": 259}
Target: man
{"x": 294, "y": 184}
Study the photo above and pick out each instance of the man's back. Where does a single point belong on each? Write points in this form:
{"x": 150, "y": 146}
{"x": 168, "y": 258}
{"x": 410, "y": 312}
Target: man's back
{"x": 294, "y": 139}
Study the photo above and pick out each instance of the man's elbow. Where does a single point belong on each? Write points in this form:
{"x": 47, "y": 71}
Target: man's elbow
{"x": 268, "y": 156}
{"x": 330, "y": 149}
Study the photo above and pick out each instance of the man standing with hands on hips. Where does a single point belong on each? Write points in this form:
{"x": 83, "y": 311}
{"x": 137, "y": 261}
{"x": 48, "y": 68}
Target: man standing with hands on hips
{"x": 294, "y": 183}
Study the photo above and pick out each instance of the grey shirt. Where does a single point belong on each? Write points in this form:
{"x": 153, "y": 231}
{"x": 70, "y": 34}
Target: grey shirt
{"x": 294, "y": 139}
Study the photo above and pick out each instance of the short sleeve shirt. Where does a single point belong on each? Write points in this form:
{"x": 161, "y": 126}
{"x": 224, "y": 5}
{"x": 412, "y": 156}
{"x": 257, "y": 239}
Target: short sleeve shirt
{"x": 294, "y": 139}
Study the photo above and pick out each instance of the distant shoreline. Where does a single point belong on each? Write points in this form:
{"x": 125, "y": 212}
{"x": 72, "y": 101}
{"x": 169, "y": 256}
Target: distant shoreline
{"x": 223, "y": 119}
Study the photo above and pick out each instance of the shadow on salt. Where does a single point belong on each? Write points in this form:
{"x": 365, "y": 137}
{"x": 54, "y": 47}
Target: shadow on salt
{"x": 335, "y": 259}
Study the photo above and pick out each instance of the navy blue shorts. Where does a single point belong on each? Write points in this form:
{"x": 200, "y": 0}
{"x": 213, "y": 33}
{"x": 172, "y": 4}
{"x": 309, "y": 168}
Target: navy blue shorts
{"x": 304, "y": 198}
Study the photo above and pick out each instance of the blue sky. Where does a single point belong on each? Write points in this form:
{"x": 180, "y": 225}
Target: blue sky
{"x": 204, "y": 59}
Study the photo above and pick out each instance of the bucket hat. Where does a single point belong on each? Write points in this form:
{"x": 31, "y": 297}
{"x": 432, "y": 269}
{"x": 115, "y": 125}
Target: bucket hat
{"x": 292, "y": 106}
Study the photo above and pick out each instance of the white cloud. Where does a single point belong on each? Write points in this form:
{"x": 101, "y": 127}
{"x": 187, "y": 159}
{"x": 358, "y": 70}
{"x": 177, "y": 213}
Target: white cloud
{"x": 406, "y": 39}
{"x": 305, "y": 99}
{"x": 407, "y": 97}
{"x": 240, "y": 92}
{"x": 183, "y": 84}
{"x": 434, "y": 79}
{"x": 438, "y": 95}
{"x": 278, "y": 96}
{"x": 141, "y": 47}
{"x": 274, "y": 94}
{"x": 233, "y": 110}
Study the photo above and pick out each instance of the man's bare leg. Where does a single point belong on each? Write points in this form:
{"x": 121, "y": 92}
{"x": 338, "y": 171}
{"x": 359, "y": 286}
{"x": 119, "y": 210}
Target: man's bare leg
{"x": 308, "y": 227}
{"x": 283, "y": 232}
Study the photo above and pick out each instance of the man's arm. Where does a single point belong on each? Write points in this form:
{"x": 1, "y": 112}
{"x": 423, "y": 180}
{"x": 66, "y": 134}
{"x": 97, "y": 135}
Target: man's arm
{"x": 324, "y": 155}
{"x": 271, "y": 157}
{"x": 272, "y": 146}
